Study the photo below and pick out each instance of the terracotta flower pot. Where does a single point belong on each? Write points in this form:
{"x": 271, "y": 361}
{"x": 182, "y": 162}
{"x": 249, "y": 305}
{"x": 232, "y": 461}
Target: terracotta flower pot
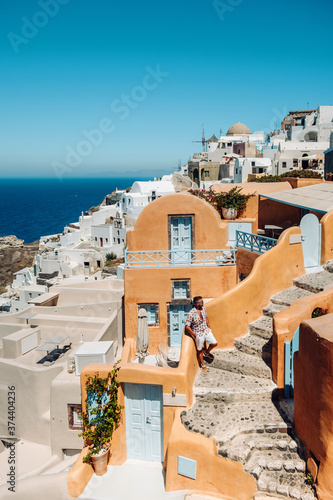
{"x": 229, "y": 213}
{"x": 100, "y": 462}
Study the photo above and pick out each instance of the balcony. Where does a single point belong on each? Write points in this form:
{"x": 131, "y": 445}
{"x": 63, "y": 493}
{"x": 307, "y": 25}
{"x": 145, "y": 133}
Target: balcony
{"x": 254, "y": 242}
{"x": 179, "y": 258}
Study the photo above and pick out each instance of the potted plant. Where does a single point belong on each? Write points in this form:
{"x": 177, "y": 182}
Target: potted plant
{"x": 100, "y": 418}
{"x": 230, "y": 203}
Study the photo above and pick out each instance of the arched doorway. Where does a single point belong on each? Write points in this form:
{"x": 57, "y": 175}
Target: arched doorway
{"x": 311, "y": 240}
{"x": 305, "y": 163}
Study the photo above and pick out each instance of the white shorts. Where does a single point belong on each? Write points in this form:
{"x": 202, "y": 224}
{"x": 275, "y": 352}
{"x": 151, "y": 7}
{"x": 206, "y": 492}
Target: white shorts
{"x": 207, "y": 336}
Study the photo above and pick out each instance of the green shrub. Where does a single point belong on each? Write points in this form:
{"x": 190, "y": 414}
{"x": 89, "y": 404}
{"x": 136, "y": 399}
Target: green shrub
{"x": 318, "y": 311}
{"x": 303, "y": 174}
{"x": 111, "y": 256}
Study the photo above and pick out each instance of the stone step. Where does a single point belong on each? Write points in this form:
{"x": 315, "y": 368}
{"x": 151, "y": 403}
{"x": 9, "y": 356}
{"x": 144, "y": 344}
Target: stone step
{"x": 242, "y": 445}
{"x": 288, "y": 296}
{"x": 224, "y": 421}
{"x": 274, "y": 461}
{"x": 290, "y": 485}
{"x": 222, "y": 385}
{"x": 236, "y": 361}
{"x": 273, "y": 309}
{"x": 329, "y": 266}
{"x": 254, "y": 345}
{"x": 262, "y": 327}
{"x": 315, "y": 282}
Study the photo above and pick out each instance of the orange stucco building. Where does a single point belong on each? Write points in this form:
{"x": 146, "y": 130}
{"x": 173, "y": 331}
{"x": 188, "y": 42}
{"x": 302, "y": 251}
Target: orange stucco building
{"x": 174, "y": 253}
{"x": 162, "y": 275}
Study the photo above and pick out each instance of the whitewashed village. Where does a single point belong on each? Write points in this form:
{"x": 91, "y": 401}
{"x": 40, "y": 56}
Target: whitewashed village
{"x": 113, "y": 289}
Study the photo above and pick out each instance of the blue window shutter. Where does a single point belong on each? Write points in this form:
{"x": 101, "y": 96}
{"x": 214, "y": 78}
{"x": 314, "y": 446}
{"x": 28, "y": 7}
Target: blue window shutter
{"x": 151, "y": 314}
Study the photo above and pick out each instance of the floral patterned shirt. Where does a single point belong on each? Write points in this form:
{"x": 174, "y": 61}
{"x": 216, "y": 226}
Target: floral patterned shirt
{"x": 193, "y": 320}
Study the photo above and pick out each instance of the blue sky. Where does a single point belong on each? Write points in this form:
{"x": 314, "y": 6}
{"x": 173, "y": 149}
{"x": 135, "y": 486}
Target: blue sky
{"x": 91, "y": 64}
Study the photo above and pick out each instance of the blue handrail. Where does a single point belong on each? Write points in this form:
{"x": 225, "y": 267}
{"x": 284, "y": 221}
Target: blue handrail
{"x": 254, "y": 242}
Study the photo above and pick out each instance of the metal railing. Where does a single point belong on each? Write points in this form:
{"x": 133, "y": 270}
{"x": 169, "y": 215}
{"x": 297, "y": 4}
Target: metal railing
{"x": 181, "y": 258}
{"x": 254, "y": 242}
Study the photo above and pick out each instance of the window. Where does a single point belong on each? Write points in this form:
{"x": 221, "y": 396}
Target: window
{"x": 106, "y": 239}
{"x": 253, "y": 163}
{"x": 73, "y": 420}
{"x": 180, "y": 289}
{"x": 118, "y": 241}
{"x": 284, "y": 164}
{"x": 152, "y": 313}
{"x": 95, "y": 238}
{"x": 86, "y": 264}
{"x": 206, "y": 173}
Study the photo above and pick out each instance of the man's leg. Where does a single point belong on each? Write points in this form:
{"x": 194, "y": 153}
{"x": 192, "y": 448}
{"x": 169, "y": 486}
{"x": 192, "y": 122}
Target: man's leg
{"x": 211, "y": 346}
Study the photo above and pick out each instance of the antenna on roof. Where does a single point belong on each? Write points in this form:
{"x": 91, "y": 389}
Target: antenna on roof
{"x": 307, "y": 104}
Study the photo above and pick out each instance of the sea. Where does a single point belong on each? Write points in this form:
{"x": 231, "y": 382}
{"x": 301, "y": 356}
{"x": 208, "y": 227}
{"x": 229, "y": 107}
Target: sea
{"x": 31, "y": 208}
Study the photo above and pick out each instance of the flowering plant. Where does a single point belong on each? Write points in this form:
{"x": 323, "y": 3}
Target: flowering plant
{"x": 102, "y": 412}
{"x": 226, "y": 199}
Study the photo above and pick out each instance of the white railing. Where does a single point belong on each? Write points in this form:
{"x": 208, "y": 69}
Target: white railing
{"x": 164, "y": 258}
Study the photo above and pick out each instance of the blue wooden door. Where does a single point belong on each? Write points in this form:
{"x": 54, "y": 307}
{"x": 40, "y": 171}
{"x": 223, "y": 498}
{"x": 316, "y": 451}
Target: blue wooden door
{"x": 181, "y": 239}
{"x": 289, "y": 350}
{"x": 311, "y": 240}
{"x": 144, "y": 422}
{"x": 178, "y": 314}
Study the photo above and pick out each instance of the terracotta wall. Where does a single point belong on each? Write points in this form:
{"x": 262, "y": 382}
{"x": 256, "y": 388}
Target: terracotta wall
{"x": 327, "y": 237}
{"x": 245, "y": 260}
{"x": 264, "y": 211}
{"x": 154, "y": 286}
{"x": 215, "y": 474}
{"x": 286, "y": 322}
{"x": 272, "y": 272}
{"x": 313, "y": 398}
{"x": 151, "y": 229}
{"x": 181, "y": 378}
{"x": 297, "y": 182}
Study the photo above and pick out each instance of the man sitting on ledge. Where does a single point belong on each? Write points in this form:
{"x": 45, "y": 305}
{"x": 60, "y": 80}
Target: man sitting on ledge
{"x": 198, "y": 327}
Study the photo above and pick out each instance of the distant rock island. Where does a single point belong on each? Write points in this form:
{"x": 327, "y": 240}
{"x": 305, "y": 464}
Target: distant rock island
{"x": 14, "y": 255}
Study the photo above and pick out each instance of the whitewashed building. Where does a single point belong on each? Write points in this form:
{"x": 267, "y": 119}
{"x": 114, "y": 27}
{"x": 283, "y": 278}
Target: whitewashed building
{"x": 246, "y": 166}
{"x": 142, "y": 193}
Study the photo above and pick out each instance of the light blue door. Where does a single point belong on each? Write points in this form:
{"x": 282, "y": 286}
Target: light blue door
{"x": 144, "y": 422}
{"x": 289, "y": 350}
{"x": 178, "y": 314}
{"x": 181, "y": 239}
{"x": 245, "y": 227}
{"x": 311, "y": 240}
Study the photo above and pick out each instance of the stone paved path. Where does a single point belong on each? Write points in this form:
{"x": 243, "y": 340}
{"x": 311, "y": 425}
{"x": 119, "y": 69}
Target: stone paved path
{"x": 237, "y": 404}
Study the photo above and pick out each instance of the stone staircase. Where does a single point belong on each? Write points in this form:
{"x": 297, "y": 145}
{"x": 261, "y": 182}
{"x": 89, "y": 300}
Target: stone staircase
{"x": 237, "y": 403}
